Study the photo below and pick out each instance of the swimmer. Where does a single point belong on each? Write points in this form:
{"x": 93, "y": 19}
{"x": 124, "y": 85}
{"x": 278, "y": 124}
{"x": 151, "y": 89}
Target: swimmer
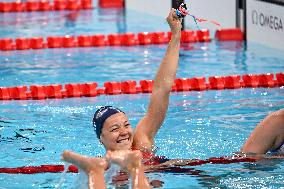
{"x": 115, "y": 132}
{"x": 113, "y": 128}
{"x": 268, "y": 135}
{"x": 111, "y": 124}
{"x": 129, "y": 161}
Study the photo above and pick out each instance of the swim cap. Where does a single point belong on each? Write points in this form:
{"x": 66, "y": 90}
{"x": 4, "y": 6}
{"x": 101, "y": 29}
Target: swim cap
{"x": 101, "y": 115}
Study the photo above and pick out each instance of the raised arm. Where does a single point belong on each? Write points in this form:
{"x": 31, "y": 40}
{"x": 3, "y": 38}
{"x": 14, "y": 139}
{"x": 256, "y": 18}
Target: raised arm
{"x": 267, "y": 135}
{"x": 149, "y": 125}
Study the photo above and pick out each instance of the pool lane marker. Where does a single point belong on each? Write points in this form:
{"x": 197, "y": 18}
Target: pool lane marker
{"x": 172, "y": 169}
{"x": 126, "y": 39}
{"x": 71, "y": 90}
{"x": 45, "y": 5}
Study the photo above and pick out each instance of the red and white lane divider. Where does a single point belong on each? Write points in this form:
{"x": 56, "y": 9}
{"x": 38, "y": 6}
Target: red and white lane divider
{"x": 127, "y": 39}
{"x": 74, "y": 169}
{"x": 71, "y": 90}
{"x": 45, "y": 5}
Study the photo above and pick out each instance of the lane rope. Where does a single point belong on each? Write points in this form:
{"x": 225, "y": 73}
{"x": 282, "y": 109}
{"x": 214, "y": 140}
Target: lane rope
{"x": 71, "y": 90}
{"x": 45, "y": 5}
{"x": 74, "y": 169}
{"x": 126, "y": 39}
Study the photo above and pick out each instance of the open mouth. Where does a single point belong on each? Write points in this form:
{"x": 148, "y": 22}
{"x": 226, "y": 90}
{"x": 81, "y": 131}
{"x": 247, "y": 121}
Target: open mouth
{"x": 124, "y": 140}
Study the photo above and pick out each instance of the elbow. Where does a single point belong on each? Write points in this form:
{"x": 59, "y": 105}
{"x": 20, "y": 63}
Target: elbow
{"x": 161, "y": 93}
{"x": 164, "y": 87}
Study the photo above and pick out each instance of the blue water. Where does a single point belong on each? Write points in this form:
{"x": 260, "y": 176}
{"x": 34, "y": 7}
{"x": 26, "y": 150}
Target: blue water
{"x": 88, "y": 22}
{"x": 133, "y": 63}
{"x": 199, "y": 125}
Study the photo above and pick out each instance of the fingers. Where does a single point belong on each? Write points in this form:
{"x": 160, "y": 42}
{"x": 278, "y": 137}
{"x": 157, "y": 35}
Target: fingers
{"x": 66, "y": 155}
{"x": 174, "y": 15}
{"x": 170, "y": 15}
{"x": 122, "y": 157}
{"x": 171, "y": 12}
{"x": 72, "y": 157}
{"x": 76, "y": 159}
{"x": 63, "y": 155}
{"x": 113, "y": 156}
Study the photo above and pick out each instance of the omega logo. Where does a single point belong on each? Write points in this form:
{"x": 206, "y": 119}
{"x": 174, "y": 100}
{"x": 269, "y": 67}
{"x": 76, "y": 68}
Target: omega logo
{"x": 272, "y": 22}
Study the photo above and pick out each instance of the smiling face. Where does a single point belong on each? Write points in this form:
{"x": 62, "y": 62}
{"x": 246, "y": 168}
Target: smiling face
{"x": 117, "y": 133}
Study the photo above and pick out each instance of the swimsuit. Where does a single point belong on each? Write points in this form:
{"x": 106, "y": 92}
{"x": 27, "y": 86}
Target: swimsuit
{"x": 280, "y": 149}
{"x": 151, "y": 159}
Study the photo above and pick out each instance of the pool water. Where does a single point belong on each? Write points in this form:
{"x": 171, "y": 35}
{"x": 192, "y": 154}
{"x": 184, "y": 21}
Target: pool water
{"x": 199, "y": 125}
{"x": 88, "y": 22}
{"x": 77, "y": 65}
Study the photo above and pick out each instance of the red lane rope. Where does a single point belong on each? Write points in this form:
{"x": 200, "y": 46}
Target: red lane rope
{"x": 38, "y": 169}
{"x": 45, "y": 5}
{"x": 37, "y": 92}
{"x": 73, "y": 169}
{"x": 127, "y": 39}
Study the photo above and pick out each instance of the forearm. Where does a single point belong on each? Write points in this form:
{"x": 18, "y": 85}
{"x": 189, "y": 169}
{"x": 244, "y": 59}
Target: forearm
{"x": 93, "y": 167}
{"x": 139, "y": 180}
{"x": 167, "y": 71}
{"x": 96, "y": 180}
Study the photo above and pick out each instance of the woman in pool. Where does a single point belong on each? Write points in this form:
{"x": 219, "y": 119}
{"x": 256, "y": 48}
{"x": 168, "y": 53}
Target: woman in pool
{"x": 112, "y": 126}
